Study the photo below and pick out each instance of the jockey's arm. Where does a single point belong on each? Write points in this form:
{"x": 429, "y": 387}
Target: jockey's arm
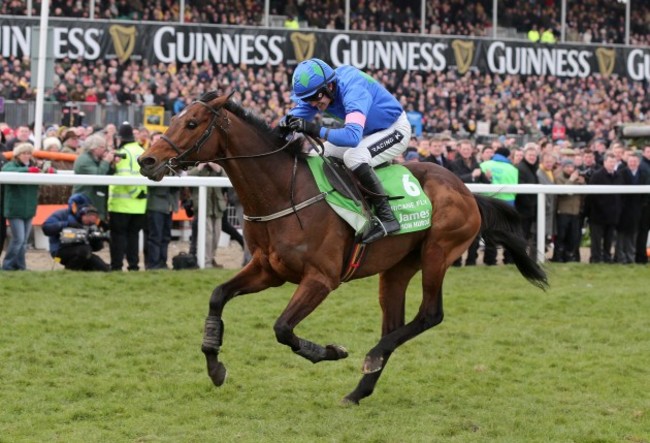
{"x": 349, "y": 135}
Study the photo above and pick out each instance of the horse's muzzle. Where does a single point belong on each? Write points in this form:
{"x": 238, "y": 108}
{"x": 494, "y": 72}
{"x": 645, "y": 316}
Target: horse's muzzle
{"x": 151, "y": 168}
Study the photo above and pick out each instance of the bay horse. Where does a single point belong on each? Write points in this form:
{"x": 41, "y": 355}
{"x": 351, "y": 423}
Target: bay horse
{"x": 307, "y": 242}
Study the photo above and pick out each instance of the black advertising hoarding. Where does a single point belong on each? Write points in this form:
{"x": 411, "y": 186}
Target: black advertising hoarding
{"x": 256, "y": 46}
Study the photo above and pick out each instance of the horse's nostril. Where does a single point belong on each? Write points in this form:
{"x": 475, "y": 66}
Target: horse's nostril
{"x": 147, "y": 161}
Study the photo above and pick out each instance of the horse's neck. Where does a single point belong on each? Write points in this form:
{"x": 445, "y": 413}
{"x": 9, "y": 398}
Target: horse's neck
{"x": 263, "y": 184}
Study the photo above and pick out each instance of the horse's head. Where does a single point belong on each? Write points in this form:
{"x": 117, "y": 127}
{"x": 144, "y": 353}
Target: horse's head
{"x": 186, "y": 140}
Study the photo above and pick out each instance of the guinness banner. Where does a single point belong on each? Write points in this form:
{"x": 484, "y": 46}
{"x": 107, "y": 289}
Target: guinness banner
{"x": 260, "y": 47}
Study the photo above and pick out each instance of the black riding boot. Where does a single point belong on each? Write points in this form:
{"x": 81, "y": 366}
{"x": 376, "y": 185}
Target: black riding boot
{"x": 385, "y": 223}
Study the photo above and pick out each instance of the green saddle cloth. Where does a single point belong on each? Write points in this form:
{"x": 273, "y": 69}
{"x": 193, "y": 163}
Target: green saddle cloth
{"x": 413, "y": 210}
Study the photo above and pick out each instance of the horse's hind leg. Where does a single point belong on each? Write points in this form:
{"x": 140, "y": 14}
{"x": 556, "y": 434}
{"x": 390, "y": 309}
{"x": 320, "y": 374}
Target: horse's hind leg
{"x": 310, "y": 293}
{"x": 429, "y": 315}
{"x": 392, "y": 294}
{"x": 250, "y": 279}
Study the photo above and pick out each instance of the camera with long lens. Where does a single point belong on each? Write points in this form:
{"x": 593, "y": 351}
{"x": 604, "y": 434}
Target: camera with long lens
{"x": 121, "y": 155}
{"x": 95, "y": 233}
{"x": 75, "y": 236}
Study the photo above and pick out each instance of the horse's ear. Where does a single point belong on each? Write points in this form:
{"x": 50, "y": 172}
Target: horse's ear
{"x": 221, "y": 100}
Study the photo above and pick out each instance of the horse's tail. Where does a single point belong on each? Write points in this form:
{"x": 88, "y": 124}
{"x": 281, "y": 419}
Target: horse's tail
{"x": 501, "y": 224}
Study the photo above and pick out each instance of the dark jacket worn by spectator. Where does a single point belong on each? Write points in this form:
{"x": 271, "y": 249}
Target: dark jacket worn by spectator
{"x": 162, "y": 202}
{"x": 464, "y": 170}
{"x": 439, "y": 160}
{"x": 526, "y": 204}
{"x": 604, "y": 212}
{"x": 604, "y": 209}
{"x": 632, "y": 204}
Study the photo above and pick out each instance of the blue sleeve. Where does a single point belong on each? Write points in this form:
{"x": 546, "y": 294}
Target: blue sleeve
{"x": 349, "y": 135}
{"x": 357, "y": 101}
{"x": 56, "y": 222}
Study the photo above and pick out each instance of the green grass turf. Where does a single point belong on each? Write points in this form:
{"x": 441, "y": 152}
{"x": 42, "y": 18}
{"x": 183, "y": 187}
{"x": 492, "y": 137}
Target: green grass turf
{"x": 116, "y": 358}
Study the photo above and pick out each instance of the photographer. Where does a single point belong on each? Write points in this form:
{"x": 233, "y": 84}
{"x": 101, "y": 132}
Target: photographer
{"x": 96, "y": 159}
{"x": 75, "y": 234}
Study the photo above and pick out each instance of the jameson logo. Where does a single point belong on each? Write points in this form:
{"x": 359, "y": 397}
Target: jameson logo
{"x": 464, "y": 54}
{"x": 123, "y": 41}
{"x": 606, "y": 60}
{"x": 303, "y": 45}
{"x": 413, "y": 214}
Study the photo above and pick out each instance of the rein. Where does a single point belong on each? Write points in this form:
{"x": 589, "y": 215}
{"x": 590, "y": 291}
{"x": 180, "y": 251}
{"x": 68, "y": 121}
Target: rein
{"x": 177, "y": 162}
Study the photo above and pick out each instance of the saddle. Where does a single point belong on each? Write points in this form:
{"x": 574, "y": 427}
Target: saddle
{"x": 346, "y": 183}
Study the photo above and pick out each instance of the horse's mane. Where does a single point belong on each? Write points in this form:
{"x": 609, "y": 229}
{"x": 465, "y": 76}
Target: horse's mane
{"x": 275, "y": 136}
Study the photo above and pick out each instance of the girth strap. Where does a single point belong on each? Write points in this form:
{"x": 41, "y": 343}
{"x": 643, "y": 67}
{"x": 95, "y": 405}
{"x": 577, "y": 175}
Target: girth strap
{"x": 293, "y": 209}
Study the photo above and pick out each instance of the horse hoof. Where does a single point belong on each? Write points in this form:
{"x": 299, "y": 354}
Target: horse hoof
{"x": 348, "y": 401}
{"x": 372, "y": 364}
{"x": 336, "y": 352}
{"x": 218, "y": 375}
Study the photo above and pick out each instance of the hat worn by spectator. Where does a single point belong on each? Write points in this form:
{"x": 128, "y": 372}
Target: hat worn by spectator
{"x": 21, "y": 148}
{"x": 126, "y": 132}
{"x": 88, "y": 209}
{"x": 68, "y": 135}
{"x": 51, "y": 144}
{"x": 8, "y": 132}
{"x": 78, "y": 201}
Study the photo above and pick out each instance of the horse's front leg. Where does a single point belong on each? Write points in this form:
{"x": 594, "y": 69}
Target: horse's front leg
{"x": 310, "y": 293}
{"x": 251, "y": 279}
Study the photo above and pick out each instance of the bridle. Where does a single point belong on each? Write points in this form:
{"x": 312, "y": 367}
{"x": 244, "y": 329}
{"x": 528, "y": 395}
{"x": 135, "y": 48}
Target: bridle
{"x": 224, "y": 124}
{"x": 220, "y": 121}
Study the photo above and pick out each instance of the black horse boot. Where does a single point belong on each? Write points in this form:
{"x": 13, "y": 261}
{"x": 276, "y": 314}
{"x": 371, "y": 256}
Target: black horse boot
{"x": 385, "y": 222}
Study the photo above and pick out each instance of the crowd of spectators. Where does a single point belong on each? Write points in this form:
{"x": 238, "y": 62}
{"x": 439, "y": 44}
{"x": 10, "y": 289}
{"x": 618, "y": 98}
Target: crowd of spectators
{"x": 615, "y": 226}
{"x": 587, "y": 21}
{"x": 580, "y": 112}
{"x": 572, "y": 109}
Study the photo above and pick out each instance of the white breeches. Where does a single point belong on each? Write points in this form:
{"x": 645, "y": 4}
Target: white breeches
{"x": 375, "y": 149}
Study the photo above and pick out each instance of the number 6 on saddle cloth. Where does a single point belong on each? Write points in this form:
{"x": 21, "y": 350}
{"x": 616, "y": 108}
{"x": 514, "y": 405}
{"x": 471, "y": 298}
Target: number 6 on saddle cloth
{"x": 409, "y": 203}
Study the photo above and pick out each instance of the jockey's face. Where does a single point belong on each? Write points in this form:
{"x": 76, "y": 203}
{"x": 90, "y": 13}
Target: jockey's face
{"x": 322, "y": 103}
{"x": 321, "y": 100}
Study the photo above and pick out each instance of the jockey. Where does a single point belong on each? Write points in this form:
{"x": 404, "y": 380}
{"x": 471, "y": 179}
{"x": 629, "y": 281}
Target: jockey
{"x": 376, "y": 128}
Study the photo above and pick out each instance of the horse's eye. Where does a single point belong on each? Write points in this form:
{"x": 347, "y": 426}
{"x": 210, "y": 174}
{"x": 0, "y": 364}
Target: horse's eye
{"x": 192, "y": 124}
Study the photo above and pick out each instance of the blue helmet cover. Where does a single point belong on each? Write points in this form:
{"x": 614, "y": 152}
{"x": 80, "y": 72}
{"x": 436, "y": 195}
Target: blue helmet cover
{"x": 309, "y": 76}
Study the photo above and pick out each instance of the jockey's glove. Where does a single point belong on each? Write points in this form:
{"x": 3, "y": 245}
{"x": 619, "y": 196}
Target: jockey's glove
{"x": 301, "y": 125}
